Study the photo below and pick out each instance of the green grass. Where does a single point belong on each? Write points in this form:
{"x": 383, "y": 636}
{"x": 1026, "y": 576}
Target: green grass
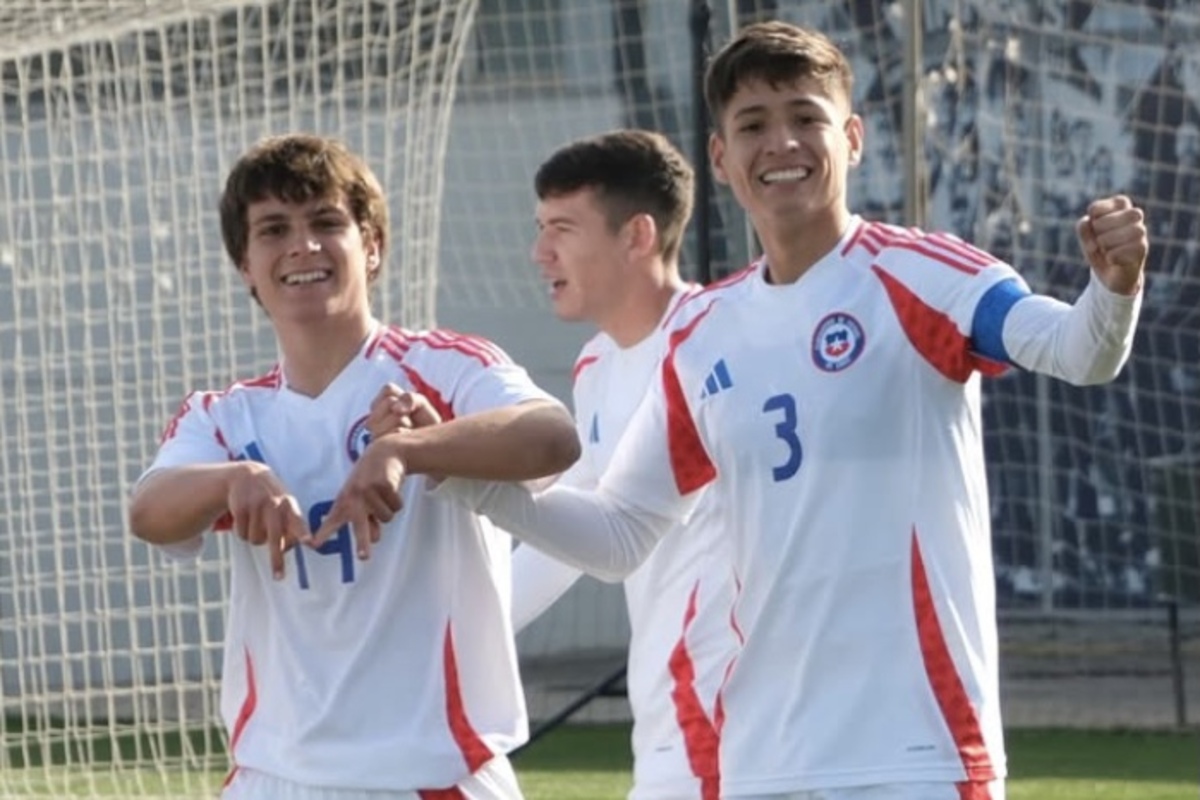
{"x": 592, "y": 763}
{"x": 1043, "y": 765}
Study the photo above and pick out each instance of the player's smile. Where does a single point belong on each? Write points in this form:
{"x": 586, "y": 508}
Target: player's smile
{"x": 307, "y": 277}
{"x": 787, "y": 176}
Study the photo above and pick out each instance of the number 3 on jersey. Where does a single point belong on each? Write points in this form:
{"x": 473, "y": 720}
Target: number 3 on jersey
{"x": 785, "y": 430}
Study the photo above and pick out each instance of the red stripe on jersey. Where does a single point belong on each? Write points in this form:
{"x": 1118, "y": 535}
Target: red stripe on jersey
{"x": 376, "y": 340}
{"x": 944, "y": 678}
{"x": 474, "y": 751}
{"x": 855, "y": 238}
{"x": 974, "y": 790}
{"x": 934, "y": 335}
{"x": 700, "y": 737}
{"x": 693, "y": 289}
{"x": 475, "y": 347}
{"x": 396, "y": 342}
{"x": 690, "y": 463}
{"x": 937, "y": 247}
{"x": 581, "y": 365}
{"x": 420, "y": 385}
{"x": 719, "y": 705}
{"x": 173, "y": 424}
{"x": 243, "y": 718}
{"x": 453, "y": 793}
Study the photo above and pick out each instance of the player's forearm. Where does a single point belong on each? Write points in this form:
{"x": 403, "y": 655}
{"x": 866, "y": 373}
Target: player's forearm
{"x": 522, "y": 442}
{"x": 177, "y": 504}
{"x": 584, "y": 529}
{"x": 1085, "y": 343}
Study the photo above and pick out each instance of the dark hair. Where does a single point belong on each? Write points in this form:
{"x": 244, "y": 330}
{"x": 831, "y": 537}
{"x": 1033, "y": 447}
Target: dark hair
{"x": 631, "y": 172}
{"x": 776, "y": 53}
{"x": 297, "y": 168}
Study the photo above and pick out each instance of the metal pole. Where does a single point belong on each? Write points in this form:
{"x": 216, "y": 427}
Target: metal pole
{"x": 699, "y": 19}
{"x": 913, "y": 116}
{"x": 1047, "y": 490}
{"x": 1177, "y": 682}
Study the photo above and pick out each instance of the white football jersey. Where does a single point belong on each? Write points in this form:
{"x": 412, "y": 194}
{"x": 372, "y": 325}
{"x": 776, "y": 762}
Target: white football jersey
{"x": 682, "y": 639}
{"x": 842, "y": 414}
{"x": 394, "y": 673}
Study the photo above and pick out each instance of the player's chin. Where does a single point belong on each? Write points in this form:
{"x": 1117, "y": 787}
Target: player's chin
{"x": 568, "y": 309}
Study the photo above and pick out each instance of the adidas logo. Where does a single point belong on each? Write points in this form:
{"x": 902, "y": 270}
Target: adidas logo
{"x": 718, "y": 380}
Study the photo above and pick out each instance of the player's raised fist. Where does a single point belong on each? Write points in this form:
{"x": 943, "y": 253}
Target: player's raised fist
{"x": 1114, "y": 240}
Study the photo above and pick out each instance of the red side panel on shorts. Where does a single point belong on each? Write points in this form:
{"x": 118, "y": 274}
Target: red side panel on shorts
{"x": 475, "y": 751}
{"x": 699, "y": 733}
{"x": 945, "y": 681}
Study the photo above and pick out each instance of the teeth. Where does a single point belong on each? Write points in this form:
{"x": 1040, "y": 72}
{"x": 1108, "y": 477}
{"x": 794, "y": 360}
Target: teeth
{"x": 297, "y": 278}
{"x": 778, "y": 175}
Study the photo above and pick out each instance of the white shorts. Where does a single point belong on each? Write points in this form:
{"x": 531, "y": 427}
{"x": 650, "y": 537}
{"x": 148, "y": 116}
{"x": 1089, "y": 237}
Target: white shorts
{"x": 892, "y": 791}
{"x": 494, "y": 781}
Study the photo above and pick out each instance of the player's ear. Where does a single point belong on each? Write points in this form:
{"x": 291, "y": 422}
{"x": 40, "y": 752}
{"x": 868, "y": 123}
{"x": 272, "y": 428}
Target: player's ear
{"x": 855, "y": 135}
{"x": 716, "y": 156}
{"x": 374, "y": 259}
{"x": 641, "y": 232}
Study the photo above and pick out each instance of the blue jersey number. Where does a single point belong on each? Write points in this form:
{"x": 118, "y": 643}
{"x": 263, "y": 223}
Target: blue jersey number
{"x": 341, "y": 544}
{"x": 785, "y": 429}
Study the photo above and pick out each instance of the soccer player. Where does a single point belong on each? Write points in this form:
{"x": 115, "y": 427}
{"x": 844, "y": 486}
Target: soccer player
{"x": 611, "y": 215}
{"x": 829, "y": 398}
{"x": 376, "y": 659}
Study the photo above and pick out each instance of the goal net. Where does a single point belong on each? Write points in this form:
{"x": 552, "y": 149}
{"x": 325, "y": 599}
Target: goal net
{"x": 120, "y": 119}
{"x": 1025, "y": 111}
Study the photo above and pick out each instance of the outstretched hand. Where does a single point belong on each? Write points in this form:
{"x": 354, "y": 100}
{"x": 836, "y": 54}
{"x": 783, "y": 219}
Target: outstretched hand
{"x": 371, "y": 495}
{"x": 1113, "y": 237}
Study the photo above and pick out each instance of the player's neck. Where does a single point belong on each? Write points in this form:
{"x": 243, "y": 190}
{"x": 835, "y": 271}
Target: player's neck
{"x": 792, "y": 246}
{"x": 314, "y": 355}
{"x": 642, "y": 311}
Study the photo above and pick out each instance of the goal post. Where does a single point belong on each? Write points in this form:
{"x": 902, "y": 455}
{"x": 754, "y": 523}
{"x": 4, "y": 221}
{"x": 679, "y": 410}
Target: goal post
{"x": 118, "y": 123}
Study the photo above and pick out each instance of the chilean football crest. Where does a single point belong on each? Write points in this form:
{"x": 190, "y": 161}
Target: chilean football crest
{"x": 837, "y": 342}
{"x": 358, "y": 439}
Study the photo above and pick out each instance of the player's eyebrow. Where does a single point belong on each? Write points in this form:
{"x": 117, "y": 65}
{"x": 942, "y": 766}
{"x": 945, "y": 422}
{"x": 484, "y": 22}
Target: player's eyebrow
{"x": 558, "y": 219}
{"x": 268, "y": 217}
{"x": 758, "y": 108}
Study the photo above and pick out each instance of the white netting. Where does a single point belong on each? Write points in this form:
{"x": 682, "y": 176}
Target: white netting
{"x": 118, "y": 125}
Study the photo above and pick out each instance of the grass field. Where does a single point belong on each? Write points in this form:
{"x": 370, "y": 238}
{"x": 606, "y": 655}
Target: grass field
{"x": 592, "y": 763}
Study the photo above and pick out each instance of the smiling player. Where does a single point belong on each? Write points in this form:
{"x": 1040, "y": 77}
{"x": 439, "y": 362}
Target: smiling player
{"x": 393, "y": 678}
{"x": 829, "y": 395}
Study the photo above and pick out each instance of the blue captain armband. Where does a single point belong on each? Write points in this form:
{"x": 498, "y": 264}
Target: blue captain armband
{"x": 987, "y": 328}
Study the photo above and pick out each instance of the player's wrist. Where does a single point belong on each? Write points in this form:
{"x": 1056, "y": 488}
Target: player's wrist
{"x": 397, "y": 444}
{"x": 237, "y": 471}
